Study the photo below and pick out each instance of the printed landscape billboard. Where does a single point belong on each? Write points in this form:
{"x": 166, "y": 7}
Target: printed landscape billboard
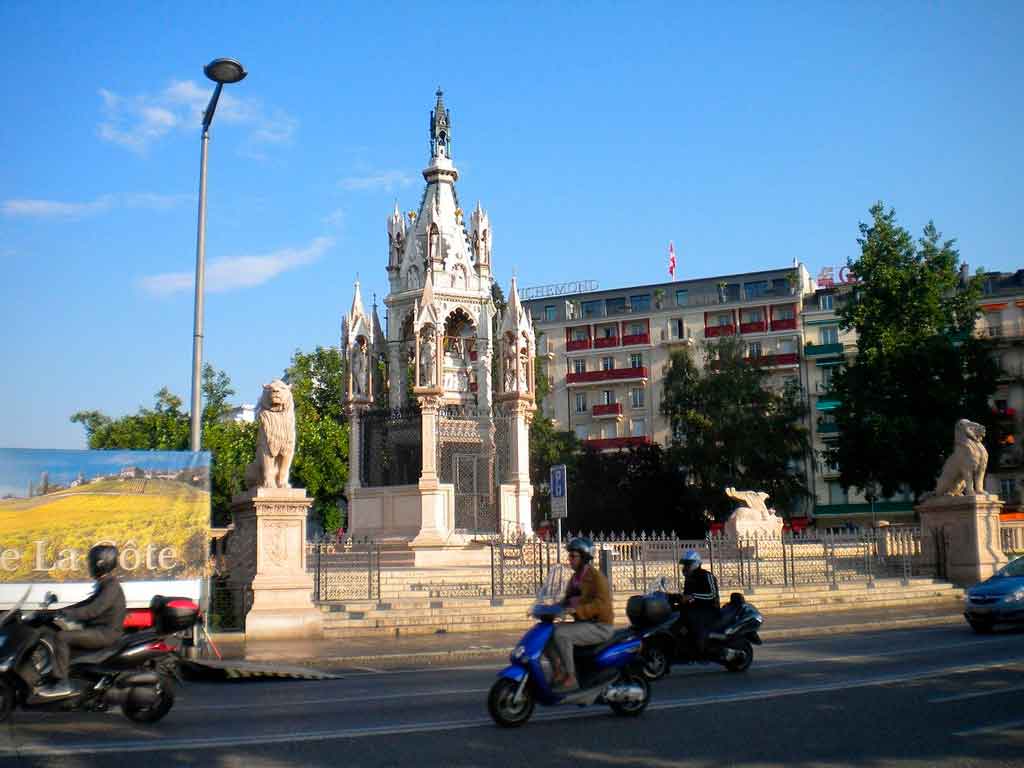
{"x": 56, "y": 504}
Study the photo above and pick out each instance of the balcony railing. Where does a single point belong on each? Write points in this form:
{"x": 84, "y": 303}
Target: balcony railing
{"x": 610, "y": 443}
{"x": 606, "y": 341}
{"x": 614, "y": 374}
{"x": 711, "y": 331}
{"x": 636, "y": 338}
{"x": 827, "y": 428}
{"x": 755, "y": 326}
{"x": 577, "y": 344}
{"x": 784, "y": 325}
{"x": 814, "y": 350}
{"x": 608, "y": 409}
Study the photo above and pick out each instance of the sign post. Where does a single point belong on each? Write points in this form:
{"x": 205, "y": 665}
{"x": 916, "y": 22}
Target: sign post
{"x": 559, "y": 496}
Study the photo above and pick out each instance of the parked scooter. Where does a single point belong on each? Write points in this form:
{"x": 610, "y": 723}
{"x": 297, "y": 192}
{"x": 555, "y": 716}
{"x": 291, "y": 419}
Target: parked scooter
{"x": 655, "y": 617}
{"x": 609, "y": 673}
{"x": 130, "y": 674}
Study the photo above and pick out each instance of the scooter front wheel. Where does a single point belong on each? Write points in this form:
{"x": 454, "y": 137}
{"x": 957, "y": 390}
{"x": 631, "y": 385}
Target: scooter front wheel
{"x": 743, "y": 655}
{"x": 656, "y": 661}
{"x": 505, "y": 709}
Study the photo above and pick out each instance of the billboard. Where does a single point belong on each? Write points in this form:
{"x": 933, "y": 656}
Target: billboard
{"x": 56, "y": 504}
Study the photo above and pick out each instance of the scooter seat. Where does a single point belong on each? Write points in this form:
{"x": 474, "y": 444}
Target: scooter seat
{"x": 587, "y": 651}
{"x": 98, "y": 657}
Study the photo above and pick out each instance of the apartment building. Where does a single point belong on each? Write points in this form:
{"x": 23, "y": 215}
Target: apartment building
{"x": 607, "y": 351}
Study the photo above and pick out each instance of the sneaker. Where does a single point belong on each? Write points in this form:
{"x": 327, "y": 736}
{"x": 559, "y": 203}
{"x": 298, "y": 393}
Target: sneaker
{"x": 567, "y": 685}
{"x": 55, "y": 691}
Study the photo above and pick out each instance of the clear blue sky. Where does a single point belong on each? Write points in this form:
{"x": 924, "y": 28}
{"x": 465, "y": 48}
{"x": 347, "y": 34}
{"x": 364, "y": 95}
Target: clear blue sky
{"x": 593, "y": 133}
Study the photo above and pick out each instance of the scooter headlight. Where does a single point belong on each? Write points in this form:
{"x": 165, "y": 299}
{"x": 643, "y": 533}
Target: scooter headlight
{"x": 518, "y": 653}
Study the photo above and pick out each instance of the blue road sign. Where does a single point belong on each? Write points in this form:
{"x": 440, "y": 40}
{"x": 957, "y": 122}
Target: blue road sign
{"x": 559, "y": 491}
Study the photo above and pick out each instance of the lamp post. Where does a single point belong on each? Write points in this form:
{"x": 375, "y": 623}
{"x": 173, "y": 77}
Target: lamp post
{"x": 221, "y": 71}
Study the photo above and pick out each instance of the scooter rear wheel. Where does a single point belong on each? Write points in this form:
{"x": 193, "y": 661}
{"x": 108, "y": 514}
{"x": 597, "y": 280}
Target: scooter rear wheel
{"x": 744, "y": 660}
{"x": 656, "y": 661}
{"x": 504, "y": 709}
{"x": 156, "y": 711}
{"x": 632, "y": 708}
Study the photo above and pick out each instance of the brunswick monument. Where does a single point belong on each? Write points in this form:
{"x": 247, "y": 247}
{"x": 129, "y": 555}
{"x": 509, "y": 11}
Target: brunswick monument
{"x": 440, "y": 400}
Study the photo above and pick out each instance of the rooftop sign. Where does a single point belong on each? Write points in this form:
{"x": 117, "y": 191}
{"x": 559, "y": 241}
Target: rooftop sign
{"x": 558, "y": 289}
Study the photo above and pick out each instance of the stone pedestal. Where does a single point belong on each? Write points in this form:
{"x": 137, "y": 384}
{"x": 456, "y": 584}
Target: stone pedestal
{"x": 964, "y": 532}
{"x": 268, "y": 550}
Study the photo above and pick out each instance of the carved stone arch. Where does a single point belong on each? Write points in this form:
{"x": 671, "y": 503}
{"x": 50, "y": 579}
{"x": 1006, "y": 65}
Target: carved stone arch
{"x": 460, "y": 321}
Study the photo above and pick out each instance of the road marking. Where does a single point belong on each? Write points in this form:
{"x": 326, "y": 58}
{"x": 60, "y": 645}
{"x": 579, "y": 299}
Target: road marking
{"x": 995, "y": 728}
{"x": 975, "y": 695}
{"x": 394, "y": 729}
{"x": 358, "y": 699}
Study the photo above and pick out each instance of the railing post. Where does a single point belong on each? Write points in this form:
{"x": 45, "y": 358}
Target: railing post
{"x": 785, "y": 572}
{"x": 606, "y": 567}
{"x": 319, "y": 554}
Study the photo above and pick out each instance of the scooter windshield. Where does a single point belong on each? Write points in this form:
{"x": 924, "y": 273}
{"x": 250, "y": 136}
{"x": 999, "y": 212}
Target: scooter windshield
{"x": 554, "y": 586}
{"x": 15, "y": 608}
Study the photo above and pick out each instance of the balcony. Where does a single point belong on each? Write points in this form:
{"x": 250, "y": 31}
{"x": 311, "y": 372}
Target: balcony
{"x": 757, "y": 326}
{"x": 636, "y": 338}
{"x": 606, "y": 410}
{"x": 614, "y": 374}
{"x": 784, "y": 325}
{"x": 613, "y": 443}
{"x": 828, "y": 428}
{"x": 817, "y": 350}
{"x": 712, "y": 331}
{"x": 784, "y": 358}
{"x": 605, "y": 342}
{"x": 577, "y": 344}
{"x": 1005, "y": 413}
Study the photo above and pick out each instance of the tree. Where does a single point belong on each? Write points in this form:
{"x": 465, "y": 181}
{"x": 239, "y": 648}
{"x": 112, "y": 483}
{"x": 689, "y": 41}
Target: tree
{"x": 731, "y": 429}
{"x": 918, "y": 367}
{"x": 321, "y": 456}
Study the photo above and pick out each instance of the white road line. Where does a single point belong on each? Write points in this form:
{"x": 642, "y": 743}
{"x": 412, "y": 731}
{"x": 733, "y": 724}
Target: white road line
{"x": 976, "y": 694}
{"x": 995, "y": 728}
{"x": 393, "y": 729}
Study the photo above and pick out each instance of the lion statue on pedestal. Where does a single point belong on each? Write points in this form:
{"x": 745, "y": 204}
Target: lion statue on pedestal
{"x": 963, "y": 474}
{"x": 754, "y": 518}
{"x": 275, "y": 442}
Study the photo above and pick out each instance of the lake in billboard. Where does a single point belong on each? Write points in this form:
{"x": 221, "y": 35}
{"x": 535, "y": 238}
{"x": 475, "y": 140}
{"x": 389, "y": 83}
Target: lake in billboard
{"x": 55, "y": 505}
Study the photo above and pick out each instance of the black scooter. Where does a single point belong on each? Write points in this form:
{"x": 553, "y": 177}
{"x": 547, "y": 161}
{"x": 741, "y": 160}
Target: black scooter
{"x": 132, "y": 674}
{"x": 730, "y": 641}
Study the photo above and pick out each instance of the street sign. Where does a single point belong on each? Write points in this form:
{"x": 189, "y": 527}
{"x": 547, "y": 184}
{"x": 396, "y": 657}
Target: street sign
{"x": 559, "y": 492}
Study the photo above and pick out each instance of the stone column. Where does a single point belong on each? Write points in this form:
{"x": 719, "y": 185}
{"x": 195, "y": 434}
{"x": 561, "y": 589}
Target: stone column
{"x": 268, "y": 551}
{"x": 396, "y": 375}
{"x": 969, "y": 526}
{"x": 434, "y": 529}
{"x": 517, "y": 492}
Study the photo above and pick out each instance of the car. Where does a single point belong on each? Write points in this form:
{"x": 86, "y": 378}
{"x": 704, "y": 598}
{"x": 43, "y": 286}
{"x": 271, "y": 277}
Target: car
{"x": 998, "y": 599}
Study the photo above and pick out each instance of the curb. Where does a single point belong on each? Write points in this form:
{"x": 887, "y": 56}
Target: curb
{"x": 429, "y": 658}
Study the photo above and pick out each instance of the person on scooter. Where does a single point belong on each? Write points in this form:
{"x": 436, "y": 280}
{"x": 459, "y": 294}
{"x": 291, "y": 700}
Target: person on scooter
{"x": 102, "y": 613}
{"x": 701, "y": 607}
{"x": 587, "y": 597}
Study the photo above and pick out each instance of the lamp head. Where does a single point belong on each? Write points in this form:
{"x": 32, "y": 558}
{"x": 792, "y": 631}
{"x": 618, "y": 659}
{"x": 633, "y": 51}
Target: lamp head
{"x": 225, "y": 71}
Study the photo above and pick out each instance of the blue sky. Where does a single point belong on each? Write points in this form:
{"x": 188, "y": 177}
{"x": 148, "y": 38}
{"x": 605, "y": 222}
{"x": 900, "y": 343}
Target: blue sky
{"x": 593, "y": 133}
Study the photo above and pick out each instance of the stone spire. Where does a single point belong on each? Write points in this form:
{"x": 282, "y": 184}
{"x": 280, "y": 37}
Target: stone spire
{"x": 440, "y": 129}
{"x": 396, "y": 239}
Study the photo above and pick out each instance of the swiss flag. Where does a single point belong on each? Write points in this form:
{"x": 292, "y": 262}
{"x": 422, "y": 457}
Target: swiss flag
{"x": 671, "y": 259}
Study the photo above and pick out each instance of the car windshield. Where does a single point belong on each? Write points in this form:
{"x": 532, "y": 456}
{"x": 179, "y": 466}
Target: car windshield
{"x": 1014, "y": 568}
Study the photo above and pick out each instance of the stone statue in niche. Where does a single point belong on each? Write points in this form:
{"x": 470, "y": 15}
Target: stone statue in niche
{"x": 412, "y": 278}
{"x": 360, "y": 368}
{"x": 427, "y": 359}
{"x": 510, "y": 358}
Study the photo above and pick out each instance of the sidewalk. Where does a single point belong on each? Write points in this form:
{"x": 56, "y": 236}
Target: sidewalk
{"x": 452, "y": 648}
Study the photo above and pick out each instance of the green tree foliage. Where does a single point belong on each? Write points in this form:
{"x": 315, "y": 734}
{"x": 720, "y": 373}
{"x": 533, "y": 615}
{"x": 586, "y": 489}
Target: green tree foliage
{"x": 918, "y": 367}
{"x": 321, "y": 456}
{"x": 732, "y": 430}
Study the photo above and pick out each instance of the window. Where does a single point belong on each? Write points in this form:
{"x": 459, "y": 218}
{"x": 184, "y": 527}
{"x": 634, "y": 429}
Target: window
{"x": 637, "y": 427}
{"x": 784, "y": 313}
{"x": 608, "y": 397}
{"x": 1007, "y": 489}
{"x": 636, "y": 360}
{"x": 787, "y": 347}
{"x": 607, "y": 363}
{"x": 592, "y": 308}
{"x": 676, "y": 327}
{"x": 780, "y": 286}
{"x": 607, "y": 331}
{"x": 579, "y": 334}
{"x": 752, "y": 316}
{"x": 637, "y": 329}
{"x": 616, "y": 306}
{"x": 640, "y": 303}
{"x": 608, "y": 431}
{"x": 636, "y": 397}
{"x": 582, "y": 431}
{"x": 725, "y": 319}
{"x": 825, "y": 301}
{"x": 754, "y": 349}
{"x": 581, "y": 402}
{"x": 836, "y": 494}
{"x": 579, "y": 366}
{"x": 826, "y": 378}
{"x": 550, "y": 313}
{"x": 756, "y": 289}
{"x": 682, "y": 297}
{"x": 829, "y": 334}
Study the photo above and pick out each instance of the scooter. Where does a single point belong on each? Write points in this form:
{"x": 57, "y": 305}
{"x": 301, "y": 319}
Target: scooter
{"x": 130, "y": 674}
{"x": 730, "y": 641}
{"x": 608, "y": 673}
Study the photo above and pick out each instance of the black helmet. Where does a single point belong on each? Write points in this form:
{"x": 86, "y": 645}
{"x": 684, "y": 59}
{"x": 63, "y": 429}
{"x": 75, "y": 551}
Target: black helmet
{"x": 584, "y": 546}
{"x": 102, "y": 560}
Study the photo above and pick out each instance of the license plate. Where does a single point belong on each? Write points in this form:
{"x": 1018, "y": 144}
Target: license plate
{"x": 980, "y": 609}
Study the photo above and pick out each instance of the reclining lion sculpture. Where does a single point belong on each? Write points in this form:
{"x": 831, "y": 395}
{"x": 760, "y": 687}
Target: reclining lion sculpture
{"x": 275, "y": 441}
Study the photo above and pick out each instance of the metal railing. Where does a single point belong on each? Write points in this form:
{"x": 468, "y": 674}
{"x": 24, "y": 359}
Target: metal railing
{"x": 228, "y": 606}
{"x": 1011, "y": 536}
{"x": 346, "y": 569}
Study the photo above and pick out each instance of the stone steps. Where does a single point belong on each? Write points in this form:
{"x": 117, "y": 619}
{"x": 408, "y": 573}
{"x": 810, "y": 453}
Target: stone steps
{"x": 424, "y": 616}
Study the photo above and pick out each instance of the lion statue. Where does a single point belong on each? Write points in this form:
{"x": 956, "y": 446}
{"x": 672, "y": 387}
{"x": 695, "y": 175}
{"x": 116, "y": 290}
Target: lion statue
{"x": 963, "y": 474}
{"x": 275, "y": 442}
{"x": 754, "y": 518}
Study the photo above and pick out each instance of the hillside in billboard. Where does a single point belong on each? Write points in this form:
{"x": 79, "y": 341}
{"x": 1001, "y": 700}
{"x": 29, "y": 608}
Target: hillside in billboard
{"x": 56, "y": 504}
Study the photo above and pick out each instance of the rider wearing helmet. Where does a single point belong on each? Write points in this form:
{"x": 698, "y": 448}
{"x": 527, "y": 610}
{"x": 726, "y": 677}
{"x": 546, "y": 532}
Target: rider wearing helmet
{"x": 589, "y": 600}
{"x": 699, "y": 598}
{"x": 102, "y": 614}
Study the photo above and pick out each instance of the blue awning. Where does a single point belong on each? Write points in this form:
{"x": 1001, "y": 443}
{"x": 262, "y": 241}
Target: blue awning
{"x": 827, "y": 405}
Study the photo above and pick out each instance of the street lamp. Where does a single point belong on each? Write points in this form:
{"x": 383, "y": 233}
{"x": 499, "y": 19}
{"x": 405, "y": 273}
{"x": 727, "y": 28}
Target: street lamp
{"x": 221, "y": 71}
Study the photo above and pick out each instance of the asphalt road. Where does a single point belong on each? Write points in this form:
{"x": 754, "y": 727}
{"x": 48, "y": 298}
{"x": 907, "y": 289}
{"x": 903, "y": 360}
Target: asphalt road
{"x": 923, "y": 697}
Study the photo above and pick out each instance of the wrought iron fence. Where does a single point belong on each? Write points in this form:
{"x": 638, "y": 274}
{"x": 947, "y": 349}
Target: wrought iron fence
{"x": 346, "y": 569}
{"x": 228, "y": 606}
{"x": 520, "y": 565}
{"x": 390, "y": 447}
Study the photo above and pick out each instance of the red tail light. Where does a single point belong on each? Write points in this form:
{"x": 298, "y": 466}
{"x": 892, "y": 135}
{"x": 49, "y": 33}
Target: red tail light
{"x": 160, "y": 647}
{"x": 183, "y": 603}
{"x": 138, "y": 618}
